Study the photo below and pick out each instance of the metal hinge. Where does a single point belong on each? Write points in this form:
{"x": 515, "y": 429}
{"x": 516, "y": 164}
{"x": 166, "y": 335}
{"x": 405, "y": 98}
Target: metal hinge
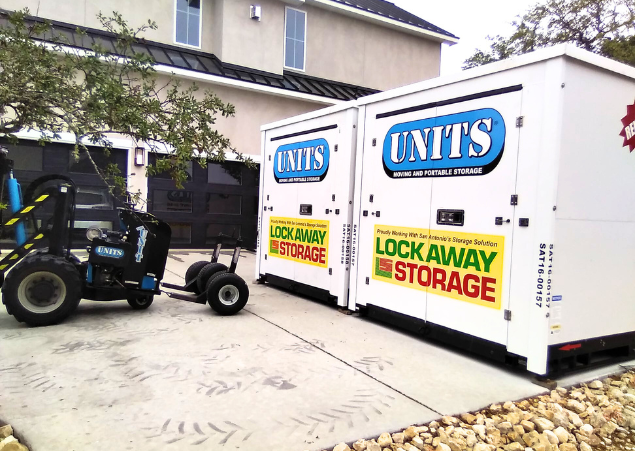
{"x": 520, "y": 120}
{"x": 330, "y": 271}
{"x": 508, "y": 315}
{"x": 367, "y": 280}
{"x": 374, "y": 142}
{"x": 514, "y": 199}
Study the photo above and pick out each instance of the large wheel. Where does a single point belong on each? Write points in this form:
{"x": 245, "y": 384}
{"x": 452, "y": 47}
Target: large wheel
{"x": 227, "y": 293}
{"x": 206, "y": 273}
{"x": 140, "y": 302}
{"x": 192, "y": 272}
{"x": 42, "y": 290}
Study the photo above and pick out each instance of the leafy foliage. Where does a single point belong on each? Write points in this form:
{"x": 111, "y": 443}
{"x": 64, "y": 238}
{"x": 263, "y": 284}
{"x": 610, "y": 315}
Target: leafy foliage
{"x": 98, "y": 95}
{"x": 599, "y": 26}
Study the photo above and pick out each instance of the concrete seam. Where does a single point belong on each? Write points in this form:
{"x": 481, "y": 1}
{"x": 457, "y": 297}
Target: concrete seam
{"x": 346, "y": 363}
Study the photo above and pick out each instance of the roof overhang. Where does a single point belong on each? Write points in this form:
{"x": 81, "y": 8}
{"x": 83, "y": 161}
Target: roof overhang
{"x": 200, "y": 77}
{"x": 367, "y": 16}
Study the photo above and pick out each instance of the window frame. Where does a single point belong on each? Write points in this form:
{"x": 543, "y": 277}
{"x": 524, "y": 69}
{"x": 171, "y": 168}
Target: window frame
{"x": 200, "y": 27}
{"x": 284, "y": 56}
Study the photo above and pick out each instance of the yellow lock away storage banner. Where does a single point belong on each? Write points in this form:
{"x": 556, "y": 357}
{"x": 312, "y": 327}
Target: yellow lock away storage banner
{"x": 301, "y": 240}
{"x": 463, "y": 266}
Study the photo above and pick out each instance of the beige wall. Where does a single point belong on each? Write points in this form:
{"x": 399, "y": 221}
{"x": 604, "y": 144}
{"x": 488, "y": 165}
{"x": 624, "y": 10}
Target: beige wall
{"x": 253, "y": 109}
{"x": 362, "y": 53}
{"x": 252, "y": 43}
{"x": 339, "y": 47}
{"x": 84, "y": 13}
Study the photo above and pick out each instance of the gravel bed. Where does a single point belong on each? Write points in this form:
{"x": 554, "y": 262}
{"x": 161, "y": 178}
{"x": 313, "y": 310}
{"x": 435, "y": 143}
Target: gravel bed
{"x": 599, "y": 415}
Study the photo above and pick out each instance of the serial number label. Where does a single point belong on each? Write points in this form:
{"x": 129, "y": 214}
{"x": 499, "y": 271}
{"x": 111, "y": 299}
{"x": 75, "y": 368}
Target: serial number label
{"x": 346, "y": 245}
{"x": 354, "y": 246}
{"x": 543, "y": 281}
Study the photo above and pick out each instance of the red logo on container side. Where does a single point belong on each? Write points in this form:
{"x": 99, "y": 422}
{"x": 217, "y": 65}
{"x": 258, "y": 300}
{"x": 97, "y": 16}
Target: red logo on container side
{"x": 385, "y": 264}
{"x": 628, "y": 132}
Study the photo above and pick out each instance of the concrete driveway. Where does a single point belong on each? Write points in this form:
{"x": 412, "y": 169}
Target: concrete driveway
{"x": 286, "y": 373}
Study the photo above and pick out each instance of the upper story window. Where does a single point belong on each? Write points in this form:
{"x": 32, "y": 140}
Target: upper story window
{"x": 188, "y": 22}
{"x": 295, "y": 39}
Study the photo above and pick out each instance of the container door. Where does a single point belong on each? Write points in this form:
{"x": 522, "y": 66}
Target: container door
{"x": 278, "y": 201}
{"x": 393, "y": 215}
{"x": 329, "y": 201}
{"x": 472, "y": 216}
{"x": 297, "y": 201}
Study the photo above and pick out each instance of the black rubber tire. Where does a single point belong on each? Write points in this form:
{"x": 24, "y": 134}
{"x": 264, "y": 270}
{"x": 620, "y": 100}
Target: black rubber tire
{"x": 63, "y": 270}
{"x": 206, "y": 273}
{"x": 45, "y": 250}
{"x": 193, "y": 270}
{"x": 236, "y": 288}
{"x": 140, "y": 302}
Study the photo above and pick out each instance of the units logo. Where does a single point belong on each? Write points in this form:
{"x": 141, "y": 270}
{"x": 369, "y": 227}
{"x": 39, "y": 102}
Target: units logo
{"x": 468, "y": 143}
{"x": 301, "y": 240}
{"x": 628, "y": 131}
{"x": 302, "y": 162}
{"x": 462, "y": 266}
{"x": 141, "y": 243}
{"x": 111, "y": 252}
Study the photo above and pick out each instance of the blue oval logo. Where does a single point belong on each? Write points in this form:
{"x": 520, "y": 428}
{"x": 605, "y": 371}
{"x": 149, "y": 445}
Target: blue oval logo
{"x": 302, "y": 162}
{"x": 461, "y": 144}
{"x": 111, "y": 252}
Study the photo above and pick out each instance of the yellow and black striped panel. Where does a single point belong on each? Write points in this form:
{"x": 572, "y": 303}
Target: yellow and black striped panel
{"x": 18, "y": 253}
{"x": 20, "y": 215}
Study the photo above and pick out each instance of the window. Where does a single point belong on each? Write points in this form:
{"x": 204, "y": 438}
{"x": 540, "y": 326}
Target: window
{"x": 223, "y": 204}
{"x": 174, "y": 201}
{"x": 26, "y": 157}
{"x": 225, "y": 173}
{"x": 295, "y": 39}
{"x": 181, "y": 233}
{"x": 83, "y": 165}
{"x": 221, "y": 233}
{"x": 188, "y": 22}
{"x": 93, "y": 198}
{"x": 167, "y": 176}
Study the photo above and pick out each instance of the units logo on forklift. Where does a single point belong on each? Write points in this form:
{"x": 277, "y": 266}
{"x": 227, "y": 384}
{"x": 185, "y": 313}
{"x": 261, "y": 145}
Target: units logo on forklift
{"x": 301, "y": 240}
{"x": 463, "y": 266}
{"x": 462, "y": 144}
{"x": 141, "y": 243}
{"x": 302, "y": 162}
{"x": 112, "y": 252}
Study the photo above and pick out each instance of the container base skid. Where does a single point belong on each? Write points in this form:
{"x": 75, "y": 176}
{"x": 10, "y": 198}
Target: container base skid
{"x": 563, "y": 358}
{"x": 299, "y": 288}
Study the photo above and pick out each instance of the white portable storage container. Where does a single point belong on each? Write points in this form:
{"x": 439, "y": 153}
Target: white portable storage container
{"x": 500, "y": 203}
{"x": 306, "y": 202}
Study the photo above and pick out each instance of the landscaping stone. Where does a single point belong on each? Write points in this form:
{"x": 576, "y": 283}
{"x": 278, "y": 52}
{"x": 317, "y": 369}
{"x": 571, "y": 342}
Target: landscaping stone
{"x": 384, "y": 440}
{"x": 562, "y": 434}
{"x": 591, "y": 417}
{"x": 543, "y": 424}
{"x": 5, "y": 431}
{"x": 360, "y": 445}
